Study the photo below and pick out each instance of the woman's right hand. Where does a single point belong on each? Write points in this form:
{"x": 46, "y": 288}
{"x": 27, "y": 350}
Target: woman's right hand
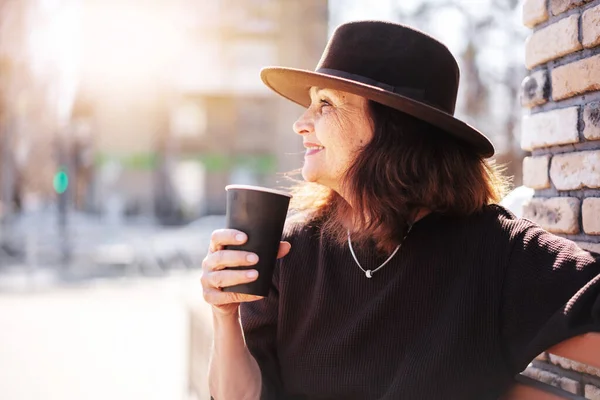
{"x": 215, "y": 276}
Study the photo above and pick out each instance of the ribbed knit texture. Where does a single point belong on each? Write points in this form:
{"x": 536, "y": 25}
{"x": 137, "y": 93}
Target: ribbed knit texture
{"x": 463, "y": 306}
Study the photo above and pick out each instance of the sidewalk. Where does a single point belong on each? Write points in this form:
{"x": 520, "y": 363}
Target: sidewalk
{"x": 121, "y": 339}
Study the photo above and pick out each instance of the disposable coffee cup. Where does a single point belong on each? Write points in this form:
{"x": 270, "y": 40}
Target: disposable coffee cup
{"x": 260, "y": 213}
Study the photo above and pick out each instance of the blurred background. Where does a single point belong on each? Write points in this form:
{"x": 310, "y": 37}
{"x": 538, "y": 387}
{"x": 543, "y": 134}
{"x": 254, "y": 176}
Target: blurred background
{"x": 121, "y": 122}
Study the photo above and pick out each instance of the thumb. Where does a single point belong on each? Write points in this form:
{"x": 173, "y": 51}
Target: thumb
{"x": 284, "y": 248}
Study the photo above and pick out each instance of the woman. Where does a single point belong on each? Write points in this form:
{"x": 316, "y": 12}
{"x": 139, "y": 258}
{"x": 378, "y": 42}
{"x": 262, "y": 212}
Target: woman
{"x": 399, "y": 276}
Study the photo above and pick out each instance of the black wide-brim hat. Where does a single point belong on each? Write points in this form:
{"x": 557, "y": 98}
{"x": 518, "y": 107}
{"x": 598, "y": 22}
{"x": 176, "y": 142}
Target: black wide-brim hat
{"x": 389, "y": 63}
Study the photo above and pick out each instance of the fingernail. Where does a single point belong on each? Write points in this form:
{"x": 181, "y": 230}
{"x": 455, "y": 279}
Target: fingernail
{"x": 252, "y": 274}
{"x": 240, "y": 237}
{"x": 252, "y": 258}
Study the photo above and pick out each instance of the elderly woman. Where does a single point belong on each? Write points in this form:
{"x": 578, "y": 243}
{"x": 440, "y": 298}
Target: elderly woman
{"x": 399, "y": 276}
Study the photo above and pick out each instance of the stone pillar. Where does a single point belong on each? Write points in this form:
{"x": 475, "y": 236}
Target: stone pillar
{"x": 562, "y": 132}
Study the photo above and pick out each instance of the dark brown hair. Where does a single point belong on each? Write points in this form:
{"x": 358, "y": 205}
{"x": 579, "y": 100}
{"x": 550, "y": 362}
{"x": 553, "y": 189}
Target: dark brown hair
{"x": 409, "y": 165}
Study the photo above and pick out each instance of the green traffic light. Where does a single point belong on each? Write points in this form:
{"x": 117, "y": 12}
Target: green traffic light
{"x": 61, "y": 181}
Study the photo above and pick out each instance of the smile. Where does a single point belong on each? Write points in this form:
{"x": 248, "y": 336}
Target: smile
{"x": 310, "y": 150}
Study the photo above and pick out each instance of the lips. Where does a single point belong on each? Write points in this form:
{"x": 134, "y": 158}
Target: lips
{"x": 312, "y": 148}
{"x": 310, "y": 152}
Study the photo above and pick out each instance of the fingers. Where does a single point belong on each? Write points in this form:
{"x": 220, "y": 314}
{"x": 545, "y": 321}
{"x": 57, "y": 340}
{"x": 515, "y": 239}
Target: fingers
{"x": 218, "y": 298}
{"x": 221, "y": 279}
{"x": 223, "y": 237}
{"x": 221, "y": 259}
{"x": 284, "y": 249}
{"x": 213, "y": 281}
{"x": 228, "y": 258}
{"x": 215, "y": 276}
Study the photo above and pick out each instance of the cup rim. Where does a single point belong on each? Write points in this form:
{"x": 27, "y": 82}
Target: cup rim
{"x": 258, "y": 188}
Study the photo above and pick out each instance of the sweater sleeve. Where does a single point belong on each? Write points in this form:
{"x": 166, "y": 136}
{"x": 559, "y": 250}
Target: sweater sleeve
{"x": 260, "y": 318}
{"x": 551, "y": 292}
{"x": 259, "y": 322}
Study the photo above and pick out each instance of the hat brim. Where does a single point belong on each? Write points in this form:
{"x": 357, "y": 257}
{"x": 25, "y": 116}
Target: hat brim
{"x": 294, "y": 84}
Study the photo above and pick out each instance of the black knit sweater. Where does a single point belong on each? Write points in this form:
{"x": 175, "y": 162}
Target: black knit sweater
{"x": 463, "y": 306}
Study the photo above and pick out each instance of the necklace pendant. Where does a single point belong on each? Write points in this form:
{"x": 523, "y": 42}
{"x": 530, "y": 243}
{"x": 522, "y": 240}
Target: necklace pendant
{"x": 368, "y": 273}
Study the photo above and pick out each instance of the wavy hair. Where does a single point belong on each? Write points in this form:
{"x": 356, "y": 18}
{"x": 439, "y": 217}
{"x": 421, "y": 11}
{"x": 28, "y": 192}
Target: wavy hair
{"x": 409, "y": 165}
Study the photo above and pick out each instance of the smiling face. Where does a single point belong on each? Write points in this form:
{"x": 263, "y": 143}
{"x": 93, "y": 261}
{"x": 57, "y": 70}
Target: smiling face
{"x": 334, "y": 127}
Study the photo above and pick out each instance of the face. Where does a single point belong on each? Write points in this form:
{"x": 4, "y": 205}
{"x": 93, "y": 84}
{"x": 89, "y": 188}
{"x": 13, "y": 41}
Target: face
{"x": 333, "y": 128}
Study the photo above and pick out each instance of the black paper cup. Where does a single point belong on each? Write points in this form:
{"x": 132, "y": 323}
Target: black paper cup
{"x": 260, "y": 213}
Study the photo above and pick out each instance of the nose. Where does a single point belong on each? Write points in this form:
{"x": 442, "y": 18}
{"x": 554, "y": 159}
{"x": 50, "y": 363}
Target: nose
{"x": 304, "y": 124}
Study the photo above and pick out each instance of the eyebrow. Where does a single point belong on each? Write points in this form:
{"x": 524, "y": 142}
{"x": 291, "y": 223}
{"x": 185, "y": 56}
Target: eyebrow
{"x": 331, "y": 95}
{"x": 315, "y": 89}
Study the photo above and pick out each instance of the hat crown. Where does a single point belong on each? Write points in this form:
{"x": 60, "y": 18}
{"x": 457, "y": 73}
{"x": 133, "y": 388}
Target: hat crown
{"x": 395, "y": 55}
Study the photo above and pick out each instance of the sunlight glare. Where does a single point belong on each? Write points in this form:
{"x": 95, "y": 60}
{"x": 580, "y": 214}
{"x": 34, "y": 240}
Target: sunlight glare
{"x": 124, "y": 43}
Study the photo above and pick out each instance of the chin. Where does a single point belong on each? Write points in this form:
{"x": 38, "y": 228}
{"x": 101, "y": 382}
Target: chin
{"x": 314, "y": 178}
{"x": 314, "y": 175}
{"x": 310, "y": 176}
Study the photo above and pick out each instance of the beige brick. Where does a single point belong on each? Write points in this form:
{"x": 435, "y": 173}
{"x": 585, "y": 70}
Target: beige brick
{"x": 552, "y": 42}
{"x": 534, "y": 12}
{"x": 558, "y": 214}
{"x": 553, "y": 379}
{"x": 592, "y": 392}
{"x": 590, "y": 27}
{"x": 576, "y": 78}
{"x": 535, "y": 172}
{"x": 573, "y": 365}
{"x": 541, "y": 375}
{"x": 593, "y": 247}
{"x": 560, "y": 6}
{"x": 576, "y": 170}
{"x": 591, "y": 121}
{"x": 535, "y": 89}
{"x": 569, "y": 385}
{"x": 590, "y": 215}
{"x": 549, "y": 128}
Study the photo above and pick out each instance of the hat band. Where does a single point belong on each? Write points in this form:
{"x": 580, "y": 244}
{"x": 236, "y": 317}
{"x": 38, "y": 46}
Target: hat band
{"x": 415, "y": 94}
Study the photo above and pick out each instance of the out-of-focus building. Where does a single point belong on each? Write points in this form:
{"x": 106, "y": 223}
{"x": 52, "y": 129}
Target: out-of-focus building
{"x": 150, "y": 107}
{"x": 168, "y": 136}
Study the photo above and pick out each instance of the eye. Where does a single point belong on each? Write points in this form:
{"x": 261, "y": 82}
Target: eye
{"x": 324, "y": 103}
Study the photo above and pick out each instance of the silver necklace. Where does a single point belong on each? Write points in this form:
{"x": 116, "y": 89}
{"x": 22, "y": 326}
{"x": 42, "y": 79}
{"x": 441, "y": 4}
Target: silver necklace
{"x": 369, "y": 273}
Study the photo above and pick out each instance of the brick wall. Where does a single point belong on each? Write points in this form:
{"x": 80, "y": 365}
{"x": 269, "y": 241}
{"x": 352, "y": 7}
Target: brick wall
{"x": 561, "y": 96}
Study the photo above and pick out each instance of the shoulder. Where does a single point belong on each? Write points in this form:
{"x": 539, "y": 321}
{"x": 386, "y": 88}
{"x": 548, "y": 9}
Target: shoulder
{"x": 491, "y": 220}
{"x": 493, "y": 229}
{"x": 524, "y": 234}
{"x": 497, "y": 220}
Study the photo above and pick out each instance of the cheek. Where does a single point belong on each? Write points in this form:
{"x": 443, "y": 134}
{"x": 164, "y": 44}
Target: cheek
{"x": 344, "y": 150}
{"x": 340, "y": 158}
{"x": 342, "y": 139}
